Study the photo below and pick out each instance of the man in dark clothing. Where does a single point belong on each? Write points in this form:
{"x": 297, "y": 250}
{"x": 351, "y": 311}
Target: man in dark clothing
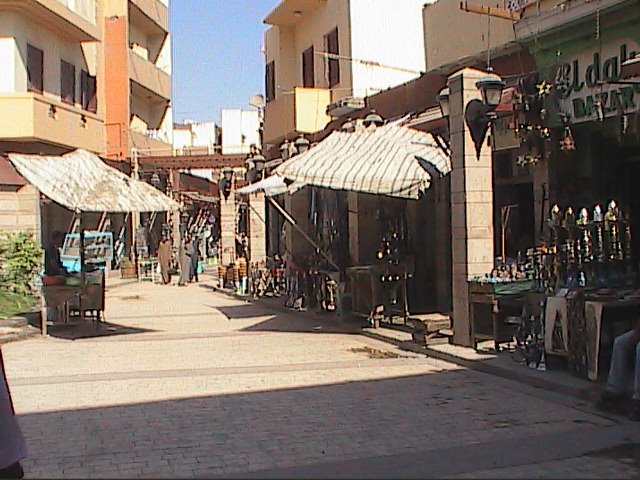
{"x": 52, "y": 263}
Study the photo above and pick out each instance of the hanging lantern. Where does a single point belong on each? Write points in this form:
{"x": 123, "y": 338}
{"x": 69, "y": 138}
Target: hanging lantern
{"x": 567, "y": 143}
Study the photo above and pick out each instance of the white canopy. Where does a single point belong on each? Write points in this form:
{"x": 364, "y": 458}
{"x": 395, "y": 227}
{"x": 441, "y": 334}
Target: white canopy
{"x": 271, "y": 186}
{"x": 82, "y": 182}
{"x": 391, "y": 160}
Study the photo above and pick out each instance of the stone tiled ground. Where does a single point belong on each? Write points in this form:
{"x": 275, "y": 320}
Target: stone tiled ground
{"x": 207, "y": 385}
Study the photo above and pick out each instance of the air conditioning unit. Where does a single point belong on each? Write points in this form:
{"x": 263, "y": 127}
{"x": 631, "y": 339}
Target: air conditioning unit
{"x": 345, "y": 106}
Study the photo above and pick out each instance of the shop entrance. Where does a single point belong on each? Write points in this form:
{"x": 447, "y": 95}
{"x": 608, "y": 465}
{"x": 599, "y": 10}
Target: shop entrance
{"x": 513, "y": 206}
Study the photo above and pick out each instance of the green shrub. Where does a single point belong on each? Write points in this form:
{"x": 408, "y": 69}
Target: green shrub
{"x": 20, "y": 260}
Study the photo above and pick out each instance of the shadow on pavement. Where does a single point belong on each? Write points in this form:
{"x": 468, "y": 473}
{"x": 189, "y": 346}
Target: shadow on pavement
{"x": 89, "y": 329}
{"x": 307, "y": 426}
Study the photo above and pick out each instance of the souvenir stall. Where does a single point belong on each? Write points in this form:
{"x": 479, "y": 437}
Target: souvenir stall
{"x": 81, "y": 182}
{"x": 388, "y": 161}
{"x": 567, "y": 298}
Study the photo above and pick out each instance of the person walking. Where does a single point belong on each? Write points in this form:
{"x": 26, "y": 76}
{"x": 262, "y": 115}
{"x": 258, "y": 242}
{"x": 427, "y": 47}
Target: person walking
{"x": 195, "y": 256}
{"x": 164, "y": 259}
{"x": 185, "y": 261}
{"x": 12, "y": 444}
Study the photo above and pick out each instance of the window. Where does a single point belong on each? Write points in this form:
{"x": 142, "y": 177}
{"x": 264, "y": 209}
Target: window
{"x": 270, "y": 81}
{"x": 35, "y": 82}
{"x": 67, "y": 82}
{"x": 307, "y": 68}
{"x": 332, "y": 64}
{"x": 88, "y": 93}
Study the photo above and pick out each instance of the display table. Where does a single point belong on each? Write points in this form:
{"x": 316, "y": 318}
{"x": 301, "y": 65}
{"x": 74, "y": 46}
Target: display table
{"x": 489, "y": 306}
{"x": 368, "y": 291}
{"x": 57, "y": 296}
{"x": 605, "y": 320}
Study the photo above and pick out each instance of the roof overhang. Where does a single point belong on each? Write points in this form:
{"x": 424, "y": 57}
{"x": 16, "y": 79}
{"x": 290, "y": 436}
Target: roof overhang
{"x": 292, "y": 12}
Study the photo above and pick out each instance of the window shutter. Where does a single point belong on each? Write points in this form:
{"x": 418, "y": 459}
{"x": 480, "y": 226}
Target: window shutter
{"x": 270, "y": 81}
{"x": 67, "y": 82}
{"x": 308, "y": 77}
{"x": 35, "y": 77}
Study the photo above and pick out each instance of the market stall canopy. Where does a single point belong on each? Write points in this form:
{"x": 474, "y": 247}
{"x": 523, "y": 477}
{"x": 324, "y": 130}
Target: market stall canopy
{"x": 271, "y": 186}
{"x": 81, "y": 182}
{"x": 391, "y": 160}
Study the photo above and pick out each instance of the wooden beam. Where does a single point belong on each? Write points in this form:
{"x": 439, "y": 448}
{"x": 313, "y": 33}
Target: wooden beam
{"x": 491, "y": 11}
{"x": 214, "y": 161}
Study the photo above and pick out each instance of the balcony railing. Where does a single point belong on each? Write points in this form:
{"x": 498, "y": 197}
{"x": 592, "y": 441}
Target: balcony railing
{"x": 149, "y": 75}
{"x": 35, "y": 117}
{"x": 301, "y": 111}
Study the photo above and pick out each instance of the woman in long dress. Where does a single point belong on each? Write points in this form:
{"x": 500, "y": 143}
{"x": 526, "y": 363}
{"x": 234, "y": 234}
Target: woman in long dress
{"x": 185, "y": 261}
{"x": 164, "y": 259}
{"x": 12, "y": 445}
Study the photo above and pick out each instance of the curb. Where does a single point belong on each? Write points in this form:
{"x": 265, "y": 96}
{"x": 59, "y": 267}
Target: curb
{"x": 586, "y": 393}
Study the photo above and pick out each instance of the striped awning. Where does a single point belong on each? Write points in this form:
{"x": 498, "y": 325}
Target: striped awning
{"x": 271, "y": 186}
{"x": 82, "y": 182}
{"x": 391, "y": 160}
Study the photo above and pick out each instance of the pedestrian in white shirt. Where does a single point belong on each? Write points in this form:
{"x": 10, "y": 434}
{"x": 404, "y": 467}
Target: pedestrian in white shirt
{"x": 12, "y": 445}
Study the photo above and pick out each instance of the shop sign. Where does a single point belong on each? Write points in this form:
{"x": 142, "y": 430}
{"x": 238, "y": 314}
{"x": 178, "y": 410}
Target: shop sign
{"x": 582, "y": 88}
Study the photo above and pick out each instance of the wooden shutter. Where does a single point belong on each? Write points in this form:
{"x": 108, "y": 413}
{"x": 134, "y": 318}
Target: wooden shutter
{"x": 35, "y": 77}
{"x": 67, "y": 82}
{"x": 270, "y": 81}
{"x": 308, "y": 79}
{"x": 334, "y": 64}
{"x": 88, "y": 92}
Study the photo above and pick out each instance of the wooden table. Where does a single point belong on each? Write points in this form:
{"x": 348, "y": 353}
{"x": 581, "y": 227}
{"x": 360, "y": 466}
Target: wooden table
{"x": 605, "y": 320}
{"x": 56, "y": 296}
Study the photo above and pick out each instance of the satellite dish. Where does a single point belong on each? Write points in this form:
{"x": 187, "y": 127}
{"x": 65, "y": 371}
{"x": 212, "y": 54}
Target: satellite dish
{"x": 257, "y": 101}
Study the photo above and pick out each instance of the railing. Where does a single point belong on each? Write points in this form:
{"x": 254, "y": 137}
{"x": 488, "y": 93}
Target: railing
{"x": 84, "y": 8}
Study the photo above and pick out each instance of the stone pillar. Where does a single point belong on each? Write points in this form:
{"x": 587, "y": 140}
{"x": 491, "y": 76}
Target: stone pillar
{"x": 471, "y": 202}
{"x": 228, "y": 228}
{"x": 257, "y": 228}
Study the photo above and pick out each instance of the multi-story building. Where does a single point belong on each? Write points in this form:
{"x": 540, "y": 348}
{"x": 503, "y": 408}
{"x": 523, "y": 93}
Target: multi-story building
{"x": 57, "y": 95}
{"x": 240, "y": 129}
{"x": 365, "y": 56}
{"x": 322, "y": 58}
{"x": 137, "y": 48}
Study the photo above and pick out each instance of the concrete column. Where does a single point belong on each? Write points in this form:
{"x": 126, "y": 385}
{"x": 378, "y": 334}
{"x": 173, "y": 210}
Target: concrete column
{"x": 228, "y": 228}
{"x": 257, "y": 228}
{"x": 471, "y": 202}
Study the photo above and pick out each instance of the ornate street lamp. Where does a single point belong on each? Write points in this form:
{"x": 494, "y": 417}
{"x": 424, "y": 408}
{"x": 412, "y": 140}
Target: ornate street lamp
{"x": 373, "y": 119}
{"x": 478, "y": 114}
{"x": 258, "y": 166}
{"x": 225, "y": 182}
{"x": 302, "y": 144}
{"x": 443, "y": 101}
{"x": 284, "y": 150}
{"x": 348, "y": 126}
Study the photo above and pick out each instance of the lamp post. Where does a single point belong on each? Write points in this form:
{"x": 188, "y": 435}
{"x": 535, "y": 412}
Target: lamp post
{"x": 258, "y": 166}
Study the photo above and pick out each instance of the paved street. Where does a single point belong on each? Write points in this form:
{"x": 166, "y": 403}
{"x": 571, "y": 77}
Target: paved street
{"x": 187, "y": 382}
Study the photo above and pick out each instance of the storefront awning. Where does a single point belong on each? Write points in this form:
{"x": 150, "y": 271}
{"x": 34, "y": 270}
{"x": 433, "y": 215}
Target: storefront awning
{"x": 271, "y": 186}
{"x": 391, "y": 160}
{"x": 82, "y": 182}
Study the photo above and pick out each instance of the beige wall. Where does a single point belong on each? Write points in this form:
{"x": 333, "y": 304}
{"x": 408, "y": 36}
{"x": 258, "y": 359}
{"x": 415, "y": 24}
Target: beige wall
{"x": 55, "y": 48}
{"x": 20, "y": 210}
{"x": 285, "y": 45}
{"x": 451, "y": 34}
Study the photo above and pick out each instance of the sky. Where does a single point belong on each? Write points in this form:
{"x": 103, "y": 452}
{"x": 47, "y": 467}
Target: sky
{"x": 217, "y": 58}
